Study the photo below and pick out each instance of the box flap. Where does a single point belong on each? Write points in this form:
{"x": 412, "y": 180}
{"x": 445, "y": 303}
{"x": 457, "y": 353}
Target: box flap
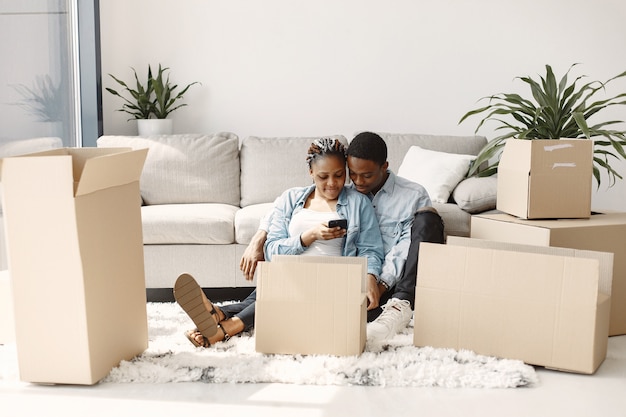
{"x": 514, "y": 177}
{"x": 30, "y": 173}
{"x": 605, "y": 259}
{"x": 99, "y": 168}
{"x": 57, "y": 151}
{"x": 308, "y": 281}
{"x": 352, "y": 260}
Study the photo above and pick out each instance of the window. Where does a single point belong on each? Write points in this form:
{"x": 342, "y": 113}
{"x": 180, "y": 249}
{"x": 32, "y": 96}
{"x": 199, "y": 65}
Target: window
{"x": 49, "y": 72}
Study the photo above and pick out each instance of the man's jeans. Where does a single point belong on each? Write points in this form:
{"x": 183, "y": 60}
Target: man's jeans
{"x": 427, "y": 227}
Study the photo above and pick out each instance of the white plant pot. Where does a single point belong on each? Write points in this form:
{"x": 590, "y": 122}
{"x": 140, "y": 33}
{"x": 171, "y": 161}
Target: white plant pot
{"x": 149, "y": 127}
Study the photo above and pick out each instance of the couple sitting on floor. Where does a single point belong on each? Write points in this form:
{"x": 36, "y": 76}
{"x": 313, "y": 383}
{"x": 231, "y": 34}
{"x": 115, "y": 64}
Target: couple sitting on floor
{"x": 388, "y": 217}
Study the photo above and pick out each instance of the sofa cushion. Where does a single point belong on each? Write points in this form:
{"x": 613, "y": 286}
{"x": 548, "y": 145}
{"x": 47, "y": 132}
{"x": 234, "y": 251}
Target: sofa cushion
{"x": 398, "y": 145}
{"x": 476, "y": 194}
{"x": 269, "y": 166}
{"x": 186, "y": 168}
{"x": 247, "y": 221}
{"x": 209, "y": 224}
{"x": 438, "y": 172}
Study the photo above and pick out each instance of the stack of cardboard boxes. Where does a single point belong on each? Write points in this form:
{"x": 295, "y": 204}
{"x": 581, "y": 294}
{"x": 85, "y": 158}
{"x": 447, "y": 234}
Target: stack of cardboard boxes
{"x": 521, "y": 287}
{"x": 510, "y": 290}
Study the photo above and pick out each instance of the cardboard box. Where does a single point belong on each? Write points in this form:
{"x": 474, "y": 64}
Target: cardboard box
{"x": 546, "y": 306}
{"x": 311, "y": 305}
{"x": 544, "y": 179}
{"x": 75, "y": 253}
{"x": 7, "y": 328}
{"x": 603, "y": 232}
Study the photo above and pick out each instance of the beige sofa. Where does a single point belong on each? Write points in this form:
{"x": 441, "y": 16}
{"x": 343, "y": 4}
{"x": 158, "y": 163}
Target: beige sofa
{"x": 204, "y": 195}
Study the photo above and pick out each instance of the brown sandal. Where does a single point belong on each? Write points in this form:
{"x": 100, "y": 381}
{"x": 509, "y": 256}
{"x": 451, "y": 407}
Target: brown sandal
{"x": 194, "y": 341}
{"x": 226, "y": 335}
{"x": 198, "y": 307}
{"x": 190, "y": 335}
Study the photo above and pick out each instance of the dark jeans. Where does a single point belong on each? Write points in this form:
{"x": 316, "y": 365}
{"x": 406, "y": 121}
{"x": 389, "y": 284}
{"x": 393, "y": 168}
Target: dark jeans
{"x": 427, "y": 227}
{"x": 244, "y": 310}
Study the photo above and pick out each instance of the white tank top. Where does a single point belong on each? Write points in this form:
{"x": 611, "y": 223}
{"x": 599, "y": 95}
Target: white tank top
{"x": 306, "y": 219}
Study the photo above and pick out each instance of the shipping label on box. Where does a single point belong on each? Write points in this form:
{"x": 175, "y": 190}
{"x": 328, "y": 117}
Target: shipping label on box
{"x": 545, "y": 306}
{"x": 311, "y": 305}
{"x": 546, "y": 178}
{"x": 75, "y": 254}
{"x": 603, "y": 232}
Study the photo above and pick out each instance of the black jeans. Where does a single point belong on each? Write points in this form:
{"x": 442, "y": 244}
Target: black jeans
{"x": 243, "y": 309}
{"x": 427, "y": 227}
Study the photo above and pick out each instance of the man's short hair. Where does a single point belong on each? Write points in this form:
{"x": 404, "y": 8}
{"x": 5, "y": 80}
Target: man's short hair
{"x": 369, "y": 146}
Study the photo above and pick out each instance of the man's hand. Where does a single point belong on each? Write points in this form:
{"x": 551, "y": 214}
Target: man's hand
{"x": 374, "y": 291}
{"x": 253, "y": 254}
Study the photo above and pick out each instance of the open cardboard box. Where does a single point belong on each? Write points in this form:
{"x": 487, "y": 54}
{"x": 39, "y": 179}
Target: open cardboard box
{"x": 603, "y": 232}
{"x": 75, "y": 254}
{"x": 311, "y": 305}
{"x": 546, "y": 178}
{"x": 542, "y": 305}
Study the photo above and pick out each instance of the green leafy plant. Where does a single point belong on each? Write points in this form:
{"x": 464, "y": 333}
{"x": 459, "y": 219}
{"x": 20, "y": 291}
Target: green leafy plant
{"x": 165, "y": 97}
{"x": 156, "y": 97}
{"x": 555, "y": 111}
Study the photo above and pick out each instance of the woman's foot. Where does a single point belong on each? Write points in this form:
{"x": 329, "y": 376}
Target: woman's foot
{"x": 225, "y": 330}
{"x": 198, "y": 307}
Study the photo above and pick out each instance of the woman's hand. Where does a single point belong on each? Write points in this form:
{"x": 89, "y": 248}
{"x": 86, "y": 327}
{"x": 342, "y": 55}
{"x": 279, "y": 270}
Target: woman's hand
{"x": 321, "y": 232}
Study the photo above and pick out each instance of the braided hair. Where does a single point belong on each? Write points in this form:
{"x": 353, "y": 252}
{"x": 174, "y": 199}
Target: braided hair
{"x": 324, "y": 147}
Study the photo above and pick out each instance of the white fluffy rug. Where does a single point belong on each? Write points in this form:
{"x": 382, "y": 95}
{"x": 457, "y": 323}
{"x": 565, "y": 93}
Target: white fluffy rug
{"x": 170, "y": 357}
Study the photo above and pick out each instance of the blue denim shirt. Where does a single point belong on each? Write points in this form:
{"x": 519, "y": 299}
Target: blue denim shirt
{"x": 363, "y": 237}
{"x": 395, "y": 205}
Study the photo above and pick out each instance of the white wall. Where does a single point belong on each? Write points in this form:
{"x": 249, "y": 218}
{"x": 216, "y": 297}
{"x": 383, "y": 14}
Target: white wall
{"x": 288, "y": 67}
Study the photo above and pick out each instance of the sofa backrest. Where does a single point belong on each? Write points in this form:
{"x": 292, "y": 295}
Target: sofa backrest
{"x": 269, "y": 166}
{"x": 191, "y": 168}
{"x": 25, "y": 146}
{"x": 398, "y": 144}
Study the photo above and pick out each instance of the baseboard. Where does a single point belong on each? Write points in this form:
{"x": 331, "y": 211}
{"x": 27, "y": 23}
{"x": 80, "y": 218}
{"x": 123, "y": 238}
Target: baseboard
{"x": 165, "y": 295}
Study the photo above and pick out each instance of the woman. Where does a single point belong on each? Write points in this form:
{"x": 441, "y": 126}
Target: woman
{"x": 299, "y": 226}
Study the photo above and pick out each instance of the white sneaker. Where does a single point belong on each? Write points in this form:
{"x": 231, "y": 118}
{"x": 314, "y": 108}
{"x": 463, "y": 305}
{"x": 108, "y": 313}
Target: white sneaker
{"x": 396, "y": 316}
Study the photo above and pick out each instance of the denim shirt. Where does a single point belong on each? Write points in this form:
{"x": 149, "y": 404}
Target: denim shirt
{"x": 363, "y": 236}
{"x": 395, "y": 205}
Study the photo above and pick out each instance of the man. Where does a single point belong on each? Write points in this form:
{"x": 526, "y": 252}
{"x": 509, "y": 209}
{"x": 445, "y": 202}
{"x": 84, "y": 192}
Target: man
{"x": 405, "y": 218}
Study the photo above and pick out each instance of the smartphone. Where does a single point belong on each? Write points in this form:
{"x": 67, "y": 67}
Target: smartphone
{"x": 343, "y": 223}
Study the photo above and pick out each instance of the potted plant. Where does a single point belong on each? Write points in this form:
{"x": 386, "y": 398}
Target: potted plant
{"x": 553, "y": 111}
{"x": 152, "y": 102}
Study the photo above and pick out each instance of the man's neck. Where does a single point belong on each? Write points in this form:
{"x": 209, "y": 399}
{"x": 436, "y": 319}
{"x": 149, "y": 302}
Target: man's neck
{"x": 382, "y": 183}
